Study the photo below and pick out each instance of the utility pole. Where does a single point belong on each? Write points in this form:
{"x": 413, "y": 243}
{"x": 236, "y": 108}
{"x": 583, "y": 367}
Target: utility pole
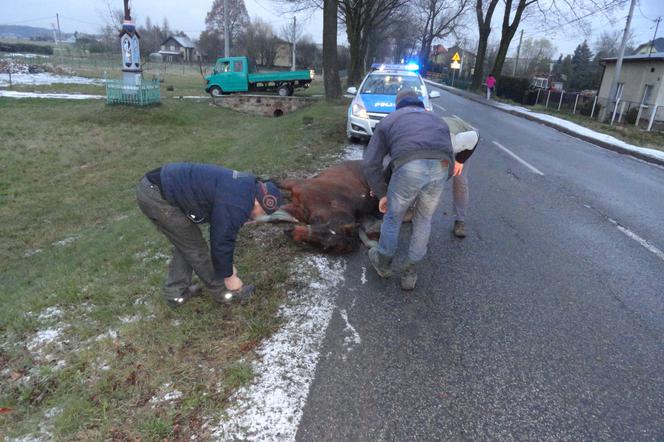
{"x": 57, "y": 19}
{"x": 518, "y": 52}
{"x": 227, "y": 50}
{"x": 654, "y": 37}
{"x": 294, "y": 36}
{"x": 621, "y": 53}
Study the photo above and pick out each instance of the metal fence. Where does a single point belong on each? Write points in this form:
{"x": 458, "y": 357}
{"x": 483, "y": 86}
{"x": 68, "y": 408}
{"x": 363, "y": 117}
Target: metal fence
{"x": 645, "y": 115}
{"x": 144, "y": 94}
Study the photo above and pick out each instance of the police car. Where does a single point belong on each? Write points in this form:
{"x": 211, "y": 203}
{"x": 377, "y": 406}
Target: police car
{"x": 377, "y": 95}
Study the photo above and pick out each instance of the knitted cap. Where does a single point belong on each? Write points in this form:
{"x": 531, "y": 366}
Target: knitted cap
{"x": 269, "y": 196}
{"x": 406, "y": 93}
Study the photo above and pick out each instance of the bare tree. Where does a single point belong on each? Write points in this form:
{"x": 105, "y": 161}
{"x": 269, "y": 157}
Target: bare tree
{"x": 536, "y": 54}
{"x": 509, "y": 30}
{"x": 237, "y": 14}
{"x": 259, "y": 42}
{"x": 330, "y": 65}
{"x": 436, "y": 19}
{"x": 553, "y": 12}
{"x": 361, "y": 18}
{"x": 484, "y": 13}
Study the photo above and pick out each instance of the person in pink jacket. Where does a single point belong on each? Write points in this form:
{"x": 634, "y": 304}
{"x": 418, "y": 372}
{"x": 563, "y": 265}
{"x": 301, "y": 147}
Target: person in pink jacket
{"x": 490, "y": 84}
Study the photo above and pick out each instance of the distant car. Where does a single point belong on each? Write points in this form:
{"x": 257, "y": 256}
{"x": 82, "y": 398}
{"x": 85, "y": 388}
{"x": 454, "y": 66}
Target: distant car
{"x": 377, "y": 95}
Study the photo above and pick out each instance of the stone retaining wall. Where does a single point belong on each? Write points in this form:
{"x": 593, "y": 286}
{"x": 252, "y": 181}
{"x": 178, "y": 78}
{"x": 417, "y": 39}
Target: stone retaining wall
{"x": 266, "y": 105}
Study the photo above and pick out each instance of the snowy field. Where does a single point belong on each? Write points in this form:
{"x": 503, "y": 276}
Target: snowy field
{"x": 46, "y": 78}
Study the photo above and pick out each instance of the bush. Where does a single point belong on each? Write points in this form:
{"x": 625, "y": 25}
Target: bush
{"x": 587, "y": 107}
{"x": 512, "y": 88}
{"x": 630, "y": 116}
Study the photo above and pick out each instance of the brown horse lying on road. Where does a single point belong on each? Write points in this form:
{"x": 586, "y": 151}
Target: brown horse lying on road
{"x": 327, "y": 210}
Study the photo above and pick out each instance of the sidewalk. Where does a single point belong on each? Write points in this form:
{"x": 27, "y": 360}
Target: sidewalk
{"x": 573, "y": 129}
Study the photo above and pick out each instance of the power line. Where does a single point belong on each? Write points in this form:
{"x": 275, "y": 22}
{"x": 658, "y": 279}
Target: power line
{"x": 50, "y": 17}
{"x": 559, "y": 26}
{"x": 644, "y": 16}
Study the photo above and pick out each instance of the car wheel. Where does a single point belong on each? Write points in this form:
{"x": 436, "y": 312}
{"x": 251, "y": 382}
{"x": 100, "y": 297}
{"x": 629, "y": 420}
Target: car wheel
{"x": 284, "y": 91}
{"x": 216, "y": 91}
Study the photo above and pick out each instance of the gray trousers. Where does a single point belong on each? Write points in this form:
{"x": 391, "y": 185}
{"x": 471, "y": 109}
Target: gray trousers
{"x": 460, "y": 194}
{"x": 190, "y": 250}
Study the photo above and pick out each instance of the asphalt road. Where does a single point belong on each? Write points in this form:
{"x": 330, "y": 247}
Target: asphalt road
{"x": 545, "y": 323}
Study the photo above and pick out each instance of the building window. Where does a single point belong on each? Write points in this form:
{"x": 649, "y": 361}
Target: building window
{"x": 647, "y": 94}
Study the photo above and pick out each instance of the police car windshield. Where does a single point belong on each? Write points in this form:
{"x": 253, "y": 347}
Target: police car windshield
{"x": 391, "y": 84}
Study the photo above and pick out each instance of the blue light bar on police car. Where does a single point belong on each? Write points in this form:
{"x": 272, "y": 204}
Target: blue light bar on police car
{"x": 395, "y": 67}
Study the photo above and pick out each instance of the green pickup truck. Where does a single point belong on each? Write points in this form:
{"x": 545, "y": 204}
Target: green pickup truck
{"x": 238, "y": 74}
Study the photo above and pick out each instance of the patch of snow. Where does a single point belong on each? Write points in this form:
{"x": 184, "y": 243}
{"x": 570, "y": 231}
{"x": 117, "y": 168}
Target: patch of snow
{"x": 353, "y": 337}
{"x": 23, "y": 55}
{"x": 44, "y": 78}
{"x": 352, "y": 152}
{"x": 50, "y": 313}
{"x": 45, "y": 337}
{"x": 66, "y": 241}
{"x": 166, "y": 394}
{"x": 145, "y": 256}
{"x": 271, "y": 407}
{"x": 16, "y": 94}
{"x": 581, "y": 130}
{"x": 110, "y": 334}
{"x": 29, "y": 253}
{"x": 129, "y": 319}
{"x": 53, "y": 412}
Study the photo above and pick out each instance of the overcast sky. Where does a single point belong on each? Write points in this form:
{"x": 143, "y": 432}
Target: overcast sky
{"x": 189, "y": 16}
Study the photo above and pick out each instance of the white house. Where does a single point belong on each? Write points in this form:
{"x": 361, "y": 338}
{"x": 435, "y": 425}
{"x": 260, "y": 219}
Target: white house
{"x": 179, "y": 48}
{"x": 640, "y": 83}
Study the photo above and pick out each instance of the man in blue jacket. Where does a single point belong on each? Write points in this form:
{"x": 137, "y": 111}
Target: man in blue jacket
{"x": 177, "y": 197}
{"x": 420, "y": 148}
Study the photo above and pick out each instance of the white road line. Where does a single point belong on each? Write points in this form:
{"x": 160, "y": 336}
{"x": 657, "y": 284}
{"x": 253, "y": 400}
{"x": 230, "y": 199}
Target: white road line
{"x": 658, "y": 253}
{"x": 440, "y": 107}
{"x": 519, "y": 159}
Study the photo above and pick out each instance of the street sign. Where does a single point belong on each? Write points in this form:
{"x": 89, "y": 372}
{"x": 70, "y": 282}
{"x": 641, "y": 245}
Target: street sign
{"x": 456, "y": 58}
{"x": 455, "y": 65}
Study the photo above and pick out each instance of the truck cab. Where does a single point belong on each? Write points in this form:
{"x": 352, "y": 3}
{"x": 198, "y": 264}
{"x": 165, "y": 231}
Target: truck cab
{"x": 230, "y": 74}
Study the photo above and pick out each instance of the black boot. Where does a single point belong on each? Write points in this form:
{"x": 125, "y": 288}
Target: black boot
{"x": 409, "y": 276}
{"x": 227, "y": 296}
{"x": 459, "y": 229}
{"x": 192, "y": 291}
{"x": 381, "y": 263}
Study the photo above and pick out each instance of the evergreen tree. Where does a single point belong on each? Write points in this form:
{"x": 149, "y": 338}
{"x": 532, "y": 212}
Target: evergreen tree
{"x": 567, "y": 71}
{"x": 582, "y": 68}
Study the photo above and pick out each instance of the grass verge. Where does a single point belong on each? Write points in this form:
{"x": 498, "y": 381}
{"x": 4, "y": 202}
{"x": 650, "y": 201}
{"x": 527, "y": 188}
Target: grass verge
{"x": 88, "y": 349}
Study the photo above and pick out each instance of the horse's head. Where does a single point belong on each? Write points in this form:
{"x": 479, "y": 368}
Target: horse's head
{"x": 337, "y": 239}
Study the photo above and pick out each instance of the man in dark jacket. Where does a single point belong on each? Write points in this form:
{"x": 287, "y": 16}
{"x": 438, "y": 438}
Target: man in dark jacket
{"x": 178, "y": 196}
{"x": 419, "y": 145}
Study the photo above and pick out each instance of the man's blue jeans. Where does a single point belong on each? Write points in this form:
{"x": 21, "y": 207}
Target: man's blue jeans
{"x": 419, "y": 181}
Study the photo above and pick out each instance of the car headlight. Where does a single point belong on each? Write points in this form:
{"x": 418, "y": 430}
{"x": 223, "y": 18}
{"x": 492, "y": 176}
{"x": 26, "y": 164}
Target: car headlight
{"x": 359, "y": 110}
